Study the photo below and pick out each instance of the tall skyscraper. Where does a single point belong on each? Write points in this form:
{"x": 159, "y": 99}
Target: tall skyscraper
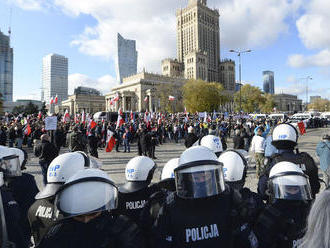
{"x": 6, "y": 68}
{"x": 198, "y": 40}
{"x": 54, "y": 77}
{"x": 126, "y": 63}
{"x": 268, "y": 77}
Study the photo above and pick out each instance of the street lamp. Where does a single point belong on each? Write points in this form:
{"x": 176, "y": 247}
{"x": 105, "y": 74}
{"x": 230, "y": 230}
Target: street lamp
{"x": 239, "y": 52}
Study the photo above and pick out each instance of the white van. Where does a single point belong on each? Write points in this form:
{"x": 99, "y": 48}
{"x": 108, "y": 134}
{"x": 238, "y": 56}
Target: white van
{"x": 99, "y": 116}
{"x": 278, "y": 116}
{"x": 301, "y": 116}
{"x": 258, "y": 116}
{"x": 325, "y": 115}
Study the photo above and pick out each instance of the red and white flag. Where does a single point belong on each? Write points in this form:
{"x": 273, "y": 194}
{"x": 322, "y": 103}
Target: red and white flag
{"x": 171, "y": 98}
{"x": 120, "y": 120}
{"x": 51, "y": 100}
{"x": 110, "y": 141}
{"x": 27, "y": 130}
{"x": 56, "y": 99}
{"x": 116, "y": 98}
{"x": 111, "y": 102}
{"x": 40, "y": 115}
{"x": 66, "y": 117}
{"x": 132, "y": 116}
{"x": 145, "y": 99}
{"x": 92, "y": 124}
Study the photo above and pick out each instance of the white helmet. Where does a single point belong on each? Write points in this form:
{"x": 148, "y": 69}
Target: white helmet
{"x": 288, "y": 182}
{"x": 60, "y": 169}
{"x": 168, "y": 170}
{"x": 199, "y": 174}
{"x": 9, "y": 162}
{"x": 139, "y": 172}
{"x": 285, "y": 136}
{"x": 234, "y": 168}
{"x": 212, "y": 142}
{"x": 87, "y": 191}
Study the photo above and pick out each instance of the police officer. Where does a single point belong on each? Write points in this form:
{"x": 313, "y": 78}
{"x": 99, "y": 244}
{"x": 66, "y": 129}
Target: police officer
{"x": 235, "y": 170}
{"x": 166, "y": 185}
{"x": 213, "y": 143}
{"x": 11, "y": 231}
{"x": 201, "y": 193}
{"x": 87, "y": 201}
{"x": 285, "y": 138}
{"x": 41, "y": 212}
{"x": 136, "y": 191}
{"x": 22, "y": 186}
{"x": 283, "y": 221}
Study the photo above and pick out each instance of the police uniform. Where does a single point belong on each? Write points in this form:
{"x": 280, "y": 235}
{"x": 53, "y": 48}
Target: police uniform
{"x": 103, "y": 232}
{"x": 41, "y": 217}
{"x": 303, "y": 160}
{"x": 12, "y": 216}
{"x": 131, "y": 203}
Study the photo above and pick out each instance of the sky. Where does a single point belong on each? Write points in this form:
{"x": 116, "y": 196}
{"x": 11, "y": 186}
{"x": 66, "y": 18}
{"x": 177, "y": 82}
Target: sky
{"x": 289, "y": 37}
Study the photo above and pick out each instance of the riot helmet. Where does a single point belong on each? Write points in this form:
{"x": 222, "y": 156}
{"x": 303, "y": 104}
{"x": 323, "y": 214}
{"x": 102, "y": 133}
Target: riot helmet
{"x": 234, "y": 168}
{"x": 288, "y": 182}
{"x": 139, "y": 172}
{"x": 167, "y": 180}
{"x": 60, "y": 169}
{"x": 285, "y": 136}
{"x": 88, "y": 191}
{"x": 199, "y": 174}
{"x": 22, "y": 156}
{"x": 9, "y": 163}
{"x": 213, "y": 143}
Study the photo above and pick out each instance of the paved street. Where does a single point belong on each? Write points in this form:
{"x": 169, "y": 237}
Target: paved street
{"x": 114, "y": 162}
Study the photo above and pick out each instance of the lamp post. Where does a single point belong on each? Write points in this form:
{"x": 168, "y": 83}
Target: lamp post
{"x": 239, "y": 52}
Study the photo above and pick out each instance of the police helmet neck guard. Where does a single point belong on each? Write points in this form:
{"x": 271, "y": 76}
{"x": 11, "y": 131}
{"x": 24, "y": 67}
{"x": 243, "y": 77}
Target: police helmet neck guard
{"x": 199, "y": 179}
{"x": 133, "y": 186}
{"x": 78, "y": 207}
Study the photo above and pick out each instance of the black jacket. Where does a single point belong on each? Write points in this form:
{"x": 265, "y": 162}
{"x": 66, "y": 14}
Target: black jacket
{"x": 102, "y": 232}
{"x": 46, "y": 151}
{"x": 190, "y": 140}
{"x": 238, "y": 142}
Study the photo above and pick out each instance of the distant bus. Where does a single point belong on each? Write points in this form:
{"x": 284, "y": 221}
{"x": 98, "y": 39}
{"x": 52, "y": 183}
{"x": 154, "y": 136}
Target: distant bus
{"x": 278, "y": 116}
{"x": 301, "y": 116}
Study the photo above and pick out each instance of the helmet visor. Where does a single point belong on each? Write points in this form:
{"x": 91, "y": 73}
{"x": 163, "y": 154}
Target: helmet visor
{"x": 199, "y": 181}
{"x": 291, "y": 187}
{"x": 11, "y": 166}
{"x": 86, "y": 196}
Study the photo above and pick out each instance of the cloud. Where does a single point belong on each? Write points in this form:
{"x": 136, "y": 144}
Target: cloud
{"x": 28, "y": 4}
{"x": 320, "y": 59}
{"x": 103, "y": 84}
{"x": 314, "y": 33}
{"x": 153, "y": 25}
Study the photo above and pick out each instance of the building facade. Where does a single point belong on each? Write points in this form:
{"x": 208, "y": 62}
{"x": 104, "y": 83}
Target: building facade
{"x": 82, "y": 102}
{"x": 126, "y": 64}
{"x": 6, "y": 68}
{"x": 287, "y": 103}
{"x": 227, "y": 75}
{"x": 54, "y": 77}
{"x": 268, "y": 78}
{"x": 172, "y": 68}
{"x": 141, "y": 92}
{"x": 198, "y": 32}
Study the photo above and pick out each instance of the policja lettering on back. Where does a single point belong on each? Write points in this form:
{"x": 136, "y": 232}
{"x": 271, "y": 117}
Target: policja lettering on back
{"x": 135, "y": 204}
{"x": 201, "y": 233}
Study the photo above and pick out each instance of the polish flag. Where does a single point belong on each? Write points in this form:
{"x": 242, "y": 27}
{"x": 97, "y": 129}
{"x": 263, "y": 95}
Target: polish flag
{"x": 111, "y": 102}
{"x": 27, "y": 130}
{"x": 92, "y": 124}
{"x": 116, "y": 98}
{"x": 39, "y": 115}
{"x": 132, "y": 116}
{"x": 120, "y": 120}
{"x": 66, "y": 117}
{"x": 51, "y": 100}
{"x": 145, "y": 99}
{"x": 110, "y": 141}
{"x": 56, "y": 99}
{"x": 171, "y": 98}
